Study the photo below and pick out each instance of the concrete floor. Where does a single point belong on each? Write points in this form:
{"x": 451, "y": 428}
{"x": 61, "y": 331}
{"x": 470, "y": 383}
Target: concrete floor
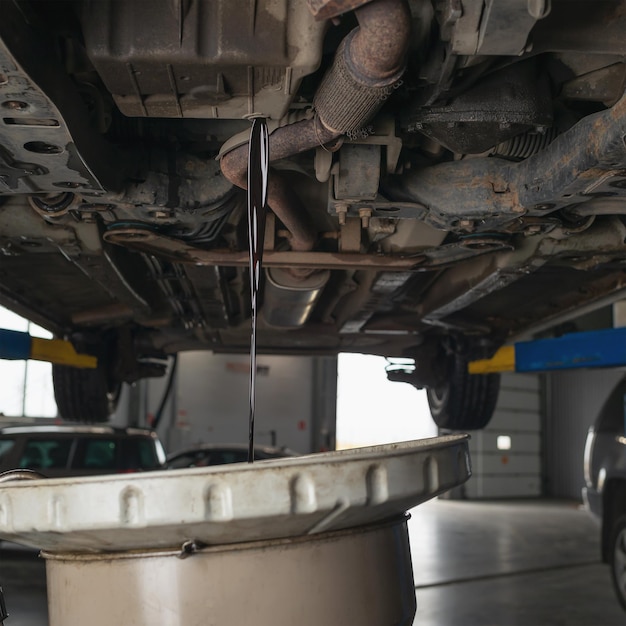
{"x": 475, "y": 564}
{"x": 23, "y": 580}
{"x": 517, "y": 563}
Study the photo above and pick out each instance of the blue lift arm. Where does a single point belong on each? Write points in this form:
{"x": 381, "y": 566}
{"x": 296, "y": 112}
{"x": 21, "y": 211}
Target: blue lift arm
{"x": 592, "y": 349}
{"x": 15, "y": 345}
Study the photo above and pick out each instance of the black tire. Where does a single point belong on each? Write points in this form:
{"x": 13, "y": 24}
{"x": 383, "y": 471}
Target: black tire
{"x": 463, "y": 401}
{"x": 617, "y": 556}
{"x": 84, "y": 395}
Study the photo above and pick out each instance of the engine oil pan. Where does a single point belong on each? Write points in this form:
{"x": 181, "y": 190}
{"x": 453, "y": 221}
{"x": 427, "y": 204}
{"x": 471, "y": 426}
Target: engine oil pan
{"x": 310, "y": 540}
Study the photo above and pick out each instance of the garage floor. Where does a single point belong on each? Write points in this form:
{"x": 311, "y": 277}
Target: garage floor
{"x": 475, "y": 564}
{"x": 509, "y": 563}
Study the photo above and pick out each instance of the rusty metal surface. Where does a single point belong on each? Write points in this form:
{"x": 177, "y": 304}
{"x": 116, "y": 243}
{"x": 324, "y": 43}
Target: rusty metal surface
{"x": 326, "y": 9}
{"x": 182, "y": 253}
{"x": 283, "y": 142}
{"x": 465, "y": 284}
{"x": 367, "y": 67}
{"x": 148, "y": 240}
{"x": 588, "y": 159}
{"x": 379, "y": 48}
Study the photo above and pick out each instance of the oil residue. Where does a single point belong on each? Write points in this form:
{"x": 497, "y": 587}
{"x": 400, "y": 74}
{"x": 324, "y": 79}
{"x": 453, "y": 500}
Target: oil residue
{"x": 258, "y": 169}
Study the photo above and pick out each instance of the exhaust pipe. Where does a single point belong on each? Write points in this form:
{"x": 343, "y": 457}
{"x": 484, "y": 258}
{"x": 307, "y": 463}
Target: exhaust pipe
{"x": 367, "y": 68}
{"x": 288, "y": 300}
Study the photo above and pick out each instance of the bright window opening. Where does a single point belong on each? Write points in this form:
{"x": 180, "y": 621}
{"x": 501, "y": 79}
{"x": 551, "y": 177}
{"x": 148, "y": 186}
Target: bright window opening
{"x": 26, "y": 385}
{"x": 503, "y": 442}
{"x": 371, "y": 410}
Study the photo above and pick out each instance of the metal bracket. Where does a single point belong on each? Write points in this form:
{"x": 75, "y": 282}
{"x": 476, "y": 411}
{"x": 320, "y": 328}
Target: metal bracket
{"x": 147, "y": 240}
{"x": 489, "y": 26}
{"x": 188, "y": 548}
{"x": 378, "y": 207}
{"x": 34, "y": 131}
{"x": 505, "y": 26}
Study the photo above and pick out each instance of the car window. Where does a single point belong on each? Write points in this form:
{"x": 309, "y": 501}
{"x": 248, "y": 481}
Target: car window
{"x": 222, "y": 457}
{"x": 189, "y": 459}
{"x": 6, "y": 445}
{"x": 139, "y": 454}
{"x": 116, "y": 454}
{"x": 96, "y": 454}
{"x": 202, "y": 458}
{"x": 46, "y": 454}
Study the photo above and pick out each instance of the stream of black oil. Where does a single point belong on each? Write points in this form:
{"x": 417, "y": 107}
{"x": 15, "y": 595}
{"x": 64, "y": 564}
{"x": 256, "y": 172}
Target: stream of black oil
{"x": 258, "y": 171}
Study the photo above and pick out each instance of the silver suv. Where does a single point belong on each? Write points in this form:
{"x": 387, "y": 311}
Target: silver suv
{"x": 59, "y": 451}
{"x": 605, "y": 477}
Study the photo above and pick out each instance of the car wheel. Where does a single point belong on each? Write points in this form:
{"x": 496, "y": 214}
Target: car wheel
{"x": 84, "y": 395}
{"x": 463, "y": 401}
{"x": 618, "y": 558}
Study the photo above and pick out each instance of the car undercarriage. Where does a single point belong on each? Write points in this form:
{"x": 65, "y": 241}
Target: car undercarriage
{"x": 447, "y": 175}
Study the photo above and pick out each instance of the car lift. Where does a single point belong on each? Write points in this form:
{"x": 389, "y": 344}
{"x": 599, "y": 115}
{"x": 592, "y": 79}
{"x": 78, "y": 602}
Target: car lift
{"x": 591, "y": 349}
{"x": 15, "y": 345}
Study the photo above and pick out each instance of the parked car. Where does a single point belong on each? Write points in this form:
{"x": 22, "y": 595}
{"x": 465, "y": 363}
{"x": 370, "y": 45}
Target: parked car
{"x": 605, "y": 491}
{"x": 449, "y": 174}
{"x": 218, "y": 454}
{"x": 64, "y": 450}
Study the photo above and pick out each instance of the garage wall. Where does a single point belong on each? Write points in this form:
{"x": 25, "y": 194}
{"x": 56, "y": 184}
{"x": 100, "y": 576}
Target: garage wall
{"x": 574, "y": 401}
{"x": 515, "y": 472}
{"x": 295, "y": 405}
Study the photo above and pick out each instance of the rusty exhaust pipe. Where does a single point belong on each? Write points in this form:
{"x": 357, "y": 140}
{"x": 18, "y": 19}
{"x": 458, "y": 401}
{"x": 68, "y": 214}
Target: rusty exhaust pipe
{"x": 284, "y": 142}
{"x": 366, "y": 69}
